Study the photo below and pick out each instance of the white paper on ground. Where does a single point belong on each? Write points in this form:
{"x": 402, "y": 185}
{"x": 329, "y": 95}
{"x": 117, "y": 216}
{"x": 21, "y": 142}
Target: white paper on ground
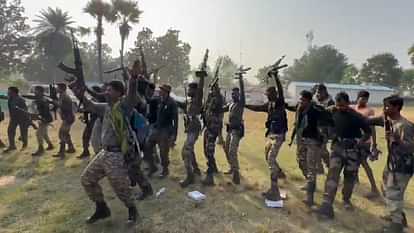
{"x": 283, "y": 194}
{"x": 196, "y": 196}
{"x": 274, "y": 204}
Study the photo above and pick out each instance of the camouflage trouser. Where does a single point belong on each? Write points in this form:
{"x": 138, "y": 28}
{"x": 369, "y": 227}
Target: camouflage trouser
{"x": 341, "y": 159}
{"x": 231, "y": 148}
{"x": 188, "y": 153}
{"x": 96, "y": 136}
{"x": 111, "y": 165}
{"x": 210, "y": 138}
{"x": 312, "y": 159}
{"x": 395, "y": 187}
{"x": 324, "y": 154}
{"x": 272, "y": 147}
{"x": 87, "y": 133}
{"x": 301, "y": 157}
{"x": 162, "y": 139}
{"x": 64, "y": 132}
{"x": 42, "y": 135}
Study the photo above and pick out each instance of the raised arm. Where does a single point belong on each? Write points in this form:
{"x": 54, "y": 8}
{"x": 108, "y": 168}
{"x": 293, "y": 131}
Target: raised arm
{"x": 94, "y": 94}
{"x": 97, "y": 108}
{"x": 200, "y": 89}
{"x": 242, "y": 92}
{"x": 279, "y": 87}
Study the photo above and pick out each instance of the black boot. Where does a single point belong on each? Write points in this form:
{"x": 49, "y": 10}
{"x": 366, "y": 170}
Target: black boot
{"x": 61, "y": 153}
{"x": 165, "y": 172}
{"x": 146, "y": 192}
{"x": 40, "y": 151}
{"x": 9, "y": 149}
{"x": 348, "y": 205}
{"x": 215, "y": 168}
{"x": 197, "y": 171}
{"x": 236, "y": 177}
{"x": 273, "y": 194}
{"x": 50, "y": 147}
{"x": 394, "y": 228}
{"x": 326, "y": 211}
{"x": 85, "y": 154}
{"x": 132, "y": 214}
{"x": 188, "y": 180}
{"x": 310, "y": 191}
{"x": 102, "y": 211}
{"x": 209, "y": 180}
{"x": 71, "y": 148}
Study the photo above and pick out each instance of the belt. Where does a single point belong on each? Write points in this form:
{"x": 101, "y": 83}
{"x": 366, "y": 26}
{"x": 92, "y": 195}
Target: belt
{"x": 112, "y": 148}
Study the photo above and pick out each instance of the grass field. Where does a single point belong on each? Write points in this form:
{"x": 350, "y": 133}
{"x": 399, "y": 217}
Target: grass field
{"x": 44, "y": 195}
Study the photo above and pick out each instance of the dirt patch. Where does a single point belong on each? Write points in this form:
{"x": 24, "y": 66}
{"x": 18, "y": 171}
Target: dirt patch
{"x": 7, "y": 180}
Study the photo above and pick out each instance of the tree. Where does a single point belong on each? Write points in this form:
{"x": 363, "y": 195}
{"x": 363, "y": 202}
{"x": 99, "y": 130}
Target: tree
{"x": 167, "y": 52}
{"x": 261, "y": 75}
{"x": 14, "y": 43}
{"x": 227, "y": 70}
{"x": 99, "y": 10}
{"x": 351, "y": 75}
{"x": 126, "y": 12}
{"x": 382, "y": 69}
{"x": 318, "y": 64}
{"x": 411, "y": 54}
{"x": 407, "y": 81}
{"x": 52, "y": 38}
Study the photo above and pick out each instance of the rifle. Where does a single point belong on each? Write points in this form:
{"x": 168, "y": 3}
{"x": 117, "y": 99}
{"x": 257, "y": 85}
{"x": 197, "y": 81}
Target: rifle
{"x": 54, "y": 97}
{"x": 186, "y": 117}
{"x": 391, "y": 160}
{"x": 274, "y": 69}
{"x": 77, "y": 72}
{"x": 203, "y": 66}
{"x": 143, "y": 63}
{"x": 216, "y": 74}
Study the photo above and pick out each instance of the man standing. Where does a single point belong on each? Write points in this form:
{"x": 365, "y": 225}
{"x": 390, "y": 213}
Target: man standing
{"x": 164, "y": 130}
{"x": 213, "y": 120}
{"x": 115, "y": 142}
{"x": 44, "y": 116}
{"x": 65, "y": 105}
{"x": 235, "y": 128}
{"x": 277, "y": 127}
{"x": 308, "y": 118}
{"x": 369, "y": 148}
{"x": 400, "y": 164}
{"x": 192, "y": 126}
{"x": 18, "y": 117}
{"x": 345, "y": 156}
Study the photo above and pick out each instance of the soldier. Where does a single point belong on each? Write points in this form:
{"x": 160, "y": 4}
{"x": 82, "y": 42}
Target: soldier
{"x": 44, "y": 116}
{"x": 18, "y": 117}
{"x": 164, "y": 129}
{"x": 308, "y": 117}
{"x": 323, "y": 98}
{"x": 65, "y": 105}
{"x": 89, "y": 119}
{"x": 235, "y": 129}
{"x": 277, "y": 127}
{"x": 369, "y": 149}
{"x": 99, "y": 96}
{"x": 345, "y": 156}
{"x": 400, "y": 163}
{"x": 110, "y": 160}
{"x": 192, "y": 126}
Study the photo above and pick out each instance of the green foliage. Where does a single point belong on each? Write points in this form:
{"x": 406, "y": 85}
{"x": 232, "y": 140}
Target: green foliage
{"x": 350, "y": 75}
{"x": 382, "y": 69}
{"x": 407, "y": 81}
{"x": 167, "y": 52}
{"x": 261, "y": 75}
{"x": 227, "y": 71}
{"x": 318, "y": 64}
{"x": 411, "y": 54}
{"x": 14, "y": 41}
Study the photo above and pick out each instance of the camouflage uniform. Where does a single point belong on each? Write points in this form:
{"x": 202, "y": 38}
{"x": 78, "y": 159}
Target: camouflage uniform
{"x": 110, "y": 161}
{"x": 345, "y": 156}
{"x": 214, "y": 121}
{"x": 397, "y": 175}
{"x": 45, "y": 118}
{"x": 277, "y": 127}
{"x": 68, "y": 118}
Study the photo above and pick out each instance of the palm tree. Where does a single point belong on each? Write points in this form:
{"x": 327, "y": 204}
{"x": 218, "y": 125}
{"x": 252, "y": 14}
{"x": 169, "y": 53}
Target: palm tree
{"x": 126, "y": 12}
{"x": 99, "y": 10}
{"x": 411, "y": 53}
{"x": 52, "y": 34}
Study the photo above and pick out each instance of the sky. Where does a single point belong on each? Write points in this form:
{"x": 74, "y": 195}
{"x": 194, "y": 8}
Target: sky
{"x": 256, "y": 33}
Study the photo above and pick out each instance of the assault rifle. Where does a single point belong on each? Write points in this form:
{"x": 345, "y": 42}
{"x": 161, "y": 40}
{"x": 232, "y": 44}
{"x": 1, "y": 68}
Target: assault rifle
{"x": 216, "y": 74}
{"x": 274, "y": 69}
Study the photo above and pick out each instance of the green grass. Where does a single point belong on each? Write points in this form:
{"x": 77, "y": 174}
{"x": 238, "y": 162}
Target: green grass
{"x": 48, "y": 197}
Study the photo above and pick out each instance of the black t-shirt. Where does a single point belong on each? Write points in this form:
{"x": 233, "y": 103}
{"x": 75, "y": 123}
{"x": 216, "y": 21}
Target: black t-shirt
{"x": 44, "y": 110}
{"x": 153, "y": 104}
{"x": 349, "y": 124}
{"x": 315, "y": 116}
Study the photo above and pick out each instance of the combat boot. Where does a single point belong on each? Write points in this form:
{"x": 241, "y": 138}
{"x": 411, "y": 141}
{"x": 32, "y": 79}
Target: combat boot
{"x": 188, "y": 180}
{"x": 61, "y": 153}
{"x": 394, "y": 228}
{"x": 132, "y": 214}
{"x": 348, "y": 205}
{"x": 326, "y": 211}
{"x": 310, "y": 191}
{"x": 197, "y": 171}
{"x": 85, "y": 154}
{"x": 281, "y": 175}
{"x": 209, "y": 180}
{"x": 165, "y": 172}
{"x": 9, "y": 149}
{"x": 50, "y": 147}
{"x": 102, "y": 211}
{"x": 71, "y": 148}
{"x": 215, "y": 168}
{"x": 152, "y": 169}
{"x": 146, "y": 192}
{"x": 236, "y": 177}
{"x": 40, "y": 151}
